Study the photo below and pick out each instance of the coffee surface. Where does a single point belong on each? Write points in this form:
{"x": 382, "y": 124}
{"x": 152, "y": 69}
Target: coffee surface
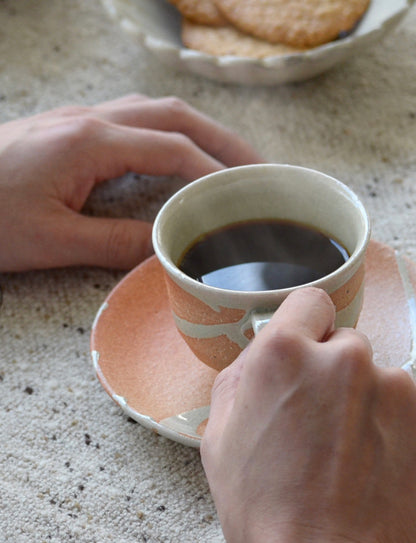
{"x": 262, "y": 255}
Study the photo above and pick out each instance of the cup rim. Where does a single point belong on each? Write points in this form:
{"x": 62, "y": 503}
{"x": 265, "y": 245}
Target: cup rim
{"x": 174, "y": 271}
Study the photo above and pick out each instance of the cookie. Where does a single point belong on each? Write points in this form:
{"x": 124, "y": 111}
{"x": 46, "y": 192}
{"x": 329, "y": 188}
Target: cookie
{"x": 228, "y": 40}
{"x": 200, "y": 11}
{"x": 299, "y": 23}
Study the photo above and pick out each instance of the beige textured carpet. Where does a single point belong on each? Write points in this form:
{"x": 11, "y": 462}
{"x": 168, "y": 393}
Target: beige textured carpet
{"x": 72, "y": 466}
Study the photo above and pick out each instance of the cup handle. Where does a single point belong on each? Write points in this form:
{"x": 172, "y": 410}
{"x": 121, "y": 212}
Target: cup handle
{"x": 259, "y": 320}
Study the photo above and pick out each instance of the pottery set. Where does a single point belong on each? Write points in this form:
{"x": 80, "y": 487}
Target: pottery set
{"x": 162, "y": 335}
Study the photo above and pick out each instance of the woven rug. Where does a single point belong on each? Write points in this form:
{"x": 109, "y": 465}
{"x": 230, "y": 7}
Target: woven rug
{"x": 73, "y": 466}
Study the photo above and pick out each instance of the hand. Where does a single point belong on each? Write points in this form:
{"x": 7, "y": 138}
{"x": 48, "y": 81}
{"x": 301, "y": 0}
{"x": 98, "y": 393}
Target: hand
{"x": 49, "y": 163}
{"x": 307, "y": 440}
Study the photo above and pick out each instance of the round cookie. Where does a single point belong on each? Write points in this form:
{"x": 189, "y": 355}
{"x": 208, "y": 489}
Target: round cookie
{"x": 200, "y": 11}
{"x": 228, "y": 40}
{"x": 300, "y": 23}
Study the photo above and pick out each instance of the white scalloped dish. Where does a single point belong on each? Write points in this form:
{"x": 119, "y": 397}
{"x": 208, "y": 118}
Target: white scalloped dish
{"x": 156, "y": 24}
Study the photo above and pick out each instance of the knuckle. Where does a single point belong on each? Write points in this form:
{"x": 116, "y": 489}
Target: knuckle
{"x": 174, "y": 103}
{"x": 75, "y": 131}
{"x": 72, "y": 111}
{"x": 181, "y": 141}
{"x": 64, "y": 127}
{"x": 355, "y": 352}
{"x": 222, "y": 381}
{"x": 82, "y": 126}
{"x": 398, "y": 381}
{"x": 354, "y": 362}
{"x": 176, "y": 107}
{"x": 181, "y": 151}
{"x": 119, "y": 244}
{"x": 135, "y": 97}
{"x": 282, "y": 349}
{"x": 286, "y": 342}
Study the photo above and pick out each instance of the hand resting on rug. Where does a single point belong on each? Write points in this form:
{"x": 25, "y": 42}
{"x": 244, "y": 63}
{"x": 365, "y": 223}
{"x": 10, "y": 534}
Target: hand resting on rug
{"x": 308, "y": 441}
{"x": 49, "y": 164}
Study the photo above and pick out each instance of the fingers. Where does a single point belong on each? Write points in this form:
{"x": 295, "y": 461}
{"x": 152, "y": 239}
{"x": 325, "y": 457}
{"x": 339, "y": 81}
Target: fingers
{"x": 108, "y": 150}
{"x": 352, "y": 341}
{"x": 346, "y": 359}
{"x": 109, "y": 243}
{"x": 305, "y": 313}
{"x": 161, "y": 153}
{"x": 155, "y": 136}
{"x": 171, "y": 114}
{"x": 223, "y": 395}
{"x": 289, "y": 345}
{"x": 308, "y": 311}
{"x": 297, "y": 348}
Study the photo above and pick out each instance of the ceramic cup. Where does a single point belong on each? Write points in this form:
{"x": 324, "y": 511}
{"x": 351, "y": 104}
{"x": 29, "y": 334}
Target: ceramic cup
{"x": 217, "y": 323}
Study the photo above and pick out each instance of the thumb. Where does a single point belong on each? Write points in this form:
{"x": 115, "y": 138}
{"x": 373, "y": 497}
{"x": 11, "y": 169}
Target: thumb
{"x": 222, "y": 398}
{"x": 106, "y": 242}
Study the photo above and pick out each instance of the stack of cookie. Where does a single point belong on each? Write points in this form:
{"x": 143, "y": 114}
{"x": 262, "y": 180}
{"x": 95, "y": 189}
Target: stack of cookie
{"x": 261, "y": 28}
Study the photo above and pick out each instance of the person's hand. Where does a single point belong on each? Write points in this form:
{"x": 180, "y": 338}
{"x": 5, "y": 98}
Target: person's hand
{"x": 309, "y": 441}
{"x": 49, "y": 163}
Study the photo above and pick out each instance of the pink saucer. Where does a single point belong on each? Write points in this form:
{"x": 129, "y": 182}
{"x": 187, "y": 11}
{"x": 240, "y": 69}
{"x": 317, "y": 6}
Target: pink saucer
{"x": 149, "y": 371}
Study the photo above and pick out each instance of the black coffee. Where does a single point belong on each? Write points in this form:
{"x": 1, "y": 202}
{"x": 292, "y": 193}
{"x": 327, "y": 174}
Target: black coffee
{"x": 262, "y": 255}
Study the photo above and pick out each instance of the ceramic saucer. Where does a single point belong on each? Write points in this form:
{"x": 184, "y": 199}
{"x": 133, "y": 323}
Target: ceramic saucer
{"x": 145, "y": 366}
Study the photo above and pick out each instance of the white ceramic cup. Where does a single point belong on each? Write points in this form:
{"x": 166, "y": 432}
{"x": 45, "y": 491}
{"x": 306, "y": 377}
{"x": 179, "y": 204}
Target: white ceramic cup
{"x": 218, "y": 323}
